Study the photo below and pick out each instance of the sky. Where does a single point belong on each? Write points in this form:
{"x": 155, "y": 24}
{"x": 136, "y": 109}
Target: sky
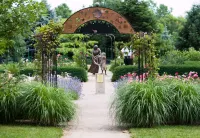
{"x": 180, "y": 7}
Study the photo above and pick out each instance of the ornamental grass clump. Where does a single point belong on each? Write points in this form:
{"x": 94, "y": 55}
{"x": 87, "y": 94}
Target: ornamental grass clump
{"x": 46, "y": 105}
{"x": 157, "y": 102}
{"x": 9, "y": 94}
{"x": 141, "y": 104}
{"x": 186, "y": 102}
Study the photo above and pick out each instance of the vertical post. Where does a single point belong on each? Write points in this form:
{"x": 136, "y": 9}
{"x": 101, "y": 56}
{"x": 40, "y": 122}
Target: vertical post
{"x": 139, "y": 63}
{"x": 56, "y": 67}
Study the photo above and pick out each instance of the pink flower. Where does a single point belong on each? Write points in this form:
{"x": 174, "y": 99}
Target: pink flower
{"x": 176, "y": 74}
{"x": 129, "y": 75}
{"x": 195, "y": 76}
{"x": 122, "y": 77}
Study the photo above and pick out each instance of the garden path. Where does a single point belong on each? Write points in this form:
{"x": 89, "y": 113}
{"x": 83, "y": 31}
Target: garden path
{"x": 93, "y": 120}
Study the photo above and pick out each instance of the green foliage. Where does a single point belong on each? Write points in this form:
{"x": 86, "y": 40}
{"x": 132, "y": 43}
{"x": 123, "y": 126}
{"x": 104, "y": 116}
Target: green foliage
{"x": 189, "y": 36}
{"x": 13, "y": 68}
{"x": 46, "y": 105}
{"x": 114, "y": 64}
{"x": 47, "y": 42}
{"x": 141, "y": 104}
{"x": 181, "y": 69}
{"x": 173, "y": 57}
{"x": 179, "y": 57}
{"x": 168, "y": 69}
{"x": 162, "y": 11}
{"x": 138, "y": 14}
{"x": 69, "y": 43}
{"x": 17, "y": 20}
{"x": 28, "y": 70}
{"x": 73, "y": 95}
{"x": 185, "y": 102}
{"x": 78, "y": 72}
{"x": 122, "y": 70}
{"x": 80, "y": 57}
{"x": 63, "y": 11}
{"x": 193, "y": 55}
{"x": 157, "y": 102}
{"x": 145, "y": 45}
{"x": 9, "y": 94}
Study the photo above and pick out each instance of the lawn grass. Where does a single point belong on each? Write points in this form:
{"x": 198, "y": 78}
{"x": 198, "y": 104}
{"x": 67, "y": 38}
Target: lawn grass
{"x": 29, "y": 132}
{"x": 166, "y": 132}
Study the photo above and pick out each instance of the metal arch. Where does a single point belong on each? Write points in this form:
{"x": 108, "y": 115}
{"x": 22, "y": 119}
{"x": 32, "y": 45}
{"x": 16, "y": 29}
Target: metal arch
{"x": 97, "y": 31}
{"x": 97, "y": 13}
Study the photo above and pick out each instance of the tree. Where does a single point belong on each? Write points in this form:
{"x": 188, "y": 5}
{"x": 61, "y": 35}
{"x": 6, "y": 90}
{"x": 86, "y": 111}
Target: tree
{"x": 17, "y": 17}
{"x": 190, "y": 34}
{"x": 63, "y": 11}
{"x": 138, "y": 13}
{"x": 162, "y": 11}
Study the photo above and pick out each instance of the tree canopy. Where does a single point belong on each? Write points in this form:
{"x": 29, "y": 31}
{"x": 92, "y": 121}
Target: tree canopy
{"x": 63, "y": 11}
{"x": 190, "y": 34}
{"x": 17, "y": 17}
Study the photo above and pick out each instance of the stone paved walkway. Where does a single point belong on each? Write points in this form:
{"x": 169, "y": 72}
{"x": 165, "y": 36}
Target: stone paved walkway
{"x": 93, "y": 119}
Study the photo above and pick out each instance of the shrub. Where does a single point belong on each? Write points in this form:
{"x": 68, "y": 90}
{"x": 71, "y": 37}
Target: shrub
{"x": 173, "y": 57}
{"x": 78, "y": 72}
{"x": 168, "y": 69}
{"x": 80, "y": 57}
{"x": 122, "y": 70}
{"x": 114, "y": 64}
{"x": 155, "y": 102}
{"x": 181, "y": 69}
{"x": 46, "y": 105}
{"x": 192, "y": 63}
{"x": 193, "y": 55}
{"x": 13, "y": 68}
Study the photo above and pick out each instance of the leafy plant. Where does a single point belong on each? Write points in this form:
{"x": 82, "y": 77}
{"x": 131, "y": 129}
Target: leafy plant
{"x": 80, "y": 57}
{"x": 114, "y": 64}
{"x": 46, "y": 105}
{"x": 13, "y": 68}
{"x": 9, "y": 94}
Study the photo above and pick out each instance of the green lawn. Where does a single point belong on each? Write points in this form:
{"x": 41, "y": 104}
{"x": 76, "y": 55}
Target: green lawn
{"x": 29, "y": 132}
{"x": 167, "y": 132}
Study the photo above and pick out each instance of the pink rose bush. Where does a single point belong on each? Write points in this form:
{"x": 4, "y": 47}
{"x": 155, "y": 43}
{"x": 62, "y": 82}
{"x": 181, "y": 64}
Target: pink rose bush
{"x": 130, "y": 77}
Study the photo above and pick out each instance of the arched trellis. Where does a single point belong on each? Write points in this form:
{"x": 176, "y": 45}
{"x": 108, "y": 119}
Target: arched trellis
{"x": 72, "y": 24}
{"x": 97, "y": 13}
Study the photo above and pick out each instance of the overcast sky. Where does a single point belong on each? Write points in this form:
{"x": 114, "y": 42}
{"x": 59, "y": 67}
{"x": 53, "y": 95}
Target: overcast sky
{"x": 180, "y": 7}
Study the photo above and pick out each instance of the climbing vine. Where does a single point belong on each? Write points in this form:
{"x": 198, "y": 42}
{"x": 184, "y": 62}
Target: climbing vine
{"x": 146, "y": 51}
{"x": 47, "y": 43}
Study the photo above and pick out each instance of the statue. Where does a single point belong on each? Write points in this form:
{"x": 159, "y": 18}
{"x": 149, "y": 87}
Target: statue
{"x": 96, "y": 59}
{"x": 103, "y": 62}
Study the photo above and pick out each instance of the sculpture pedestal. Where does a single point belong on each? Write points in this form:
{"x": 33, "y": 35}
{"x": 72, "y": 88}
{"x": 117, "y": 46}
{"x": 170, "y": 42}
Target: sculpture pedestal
{"x": 100, "y": 83}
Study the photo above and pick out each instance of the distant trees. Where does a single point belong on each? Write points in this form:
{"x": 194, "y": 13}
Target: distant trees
{"x": 190, "y": 34}
{"x": 63, "y": 11}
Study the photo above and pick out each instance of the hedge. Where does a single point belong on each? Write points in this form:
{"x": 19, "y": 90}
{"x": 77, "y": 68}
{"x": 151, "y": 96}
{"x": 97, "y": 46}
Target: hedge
{"x": 122, "y": 70}
{"x": 73, "y": 71}
{"x": 168, "y": 69}
{"x": 181, "y": 69}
